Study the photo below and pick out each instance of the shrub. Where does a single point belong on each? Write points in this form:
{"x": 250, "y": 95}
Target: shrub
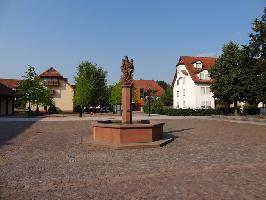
{"x": 251, "y": 110}
{"x": 185, "y": 112}
{"x": 156, "y": 107}
{"x": 227, "y": 110}
{"x": 52, "y": 110}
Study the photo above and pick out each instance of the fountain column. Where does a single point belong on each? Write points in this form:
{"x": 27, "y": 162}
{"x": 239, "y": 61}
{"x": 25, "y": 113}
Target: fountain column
{"x": 126, "y": 105}
{"x": 127, "y": 69}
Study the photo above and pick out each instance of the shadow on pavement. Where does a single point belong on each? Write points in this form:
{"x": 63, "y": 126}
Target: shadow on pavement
{"x": 168, "y": 134}
{"x": 179, "y": 130}
{"x": 10, "y": 130}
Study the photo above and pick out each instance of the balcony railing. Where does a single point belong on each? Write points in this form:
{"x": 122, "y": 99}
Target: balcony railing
{"x": 51, "y": 83}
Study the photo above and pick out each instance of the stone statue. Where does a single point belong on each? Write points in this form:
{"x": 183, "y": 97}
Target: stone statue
{"x": 127, "y": 70}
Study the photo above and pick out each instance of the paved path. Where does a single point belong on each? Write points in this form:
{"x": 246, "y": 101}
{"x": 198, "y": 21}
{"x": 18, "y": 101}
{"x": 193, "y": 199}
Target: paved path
{"x": 137, "y": 116}
{"x": 209, "y": 159}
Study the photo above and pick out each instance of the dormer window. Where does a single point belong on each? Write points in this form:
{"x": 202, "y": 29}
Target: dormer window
{"x": 198, "y": 65}
{"x": 204, "y": 75}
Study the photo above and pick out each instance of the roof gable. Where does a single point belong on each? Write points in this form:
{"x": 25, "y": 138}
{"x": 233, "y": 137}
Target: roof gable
{"x": 5, "y": 91}
{"x": 51, "y": 72}
{"x": 188, "y": 61}
{"x": 146, "y": 84}
{"x": 10, "y": 83}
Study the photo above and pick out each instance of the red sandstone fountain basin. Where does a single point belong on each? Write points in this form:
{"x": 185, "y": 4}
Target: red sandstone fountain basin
{"x": 114, "y": 132}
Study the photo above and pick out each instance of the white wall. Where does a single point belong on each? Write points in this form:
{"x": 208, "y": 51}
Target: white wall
{"x": 203, "y": 97}
{"x": 189, "y": 87}
{"x": 193, "y": 96}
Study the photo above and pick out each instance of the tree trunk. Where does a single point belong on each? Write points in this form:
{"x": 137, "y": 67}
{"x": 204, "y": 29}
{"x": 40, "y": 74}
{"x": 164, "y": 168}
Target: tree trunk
{"x": 29, "y": 109}
{"x": 37, "y": 108}
{"x": 80, "y": 111}
{"x": 235, "y": 107}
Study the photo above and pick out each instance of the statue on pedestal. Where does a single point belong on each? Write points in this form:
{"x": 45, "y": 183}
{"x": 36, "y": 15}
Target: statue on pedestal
{"x": 127, "y": 70}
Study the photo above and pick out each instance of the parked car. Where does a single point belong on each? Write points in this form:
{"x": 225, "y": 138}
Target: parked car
{"x": 104, "y": 109}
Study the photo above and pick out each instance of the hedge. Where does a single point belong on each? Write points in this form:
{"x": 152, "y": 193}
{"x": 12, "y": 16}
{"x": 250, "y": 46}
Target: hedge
{"x": 183, "y": 112}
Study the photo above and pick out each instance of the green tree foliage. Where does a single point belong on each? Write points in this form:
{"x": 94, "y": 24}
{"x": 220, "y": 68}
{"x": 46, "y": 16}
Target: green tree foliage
{"x": 256, "y": 49}
{"x": 116, "y": 95}
{"x": 228, "y": 75}
{"x": 167, "y": 98}
{"x": 90, "y": 84}
{"x": 32, "y": 91}
{"x": 163, "y": 84}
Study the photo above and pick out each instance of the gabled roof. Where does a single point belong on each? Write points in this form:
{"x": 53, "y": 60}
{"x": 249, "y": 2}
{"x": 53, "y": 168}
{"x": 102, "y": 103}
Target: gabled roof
{"x": 5, "y": 91}
{"x": 51, "y": 72}
{"x": 146, "y": 84}
{"x": 188, "y": 61}
{"x": 10, "y": 83}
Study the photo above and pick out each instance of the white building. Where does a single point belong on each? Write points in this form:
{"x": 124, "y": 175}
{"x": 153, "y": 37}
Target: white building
{"x": 191, "y": 84}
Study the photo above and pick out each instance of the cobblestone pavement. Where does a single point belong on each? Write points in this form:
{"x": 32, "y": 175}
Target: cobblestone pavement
{"x": 257, "y": 120}
{"x": 209, "y": 159}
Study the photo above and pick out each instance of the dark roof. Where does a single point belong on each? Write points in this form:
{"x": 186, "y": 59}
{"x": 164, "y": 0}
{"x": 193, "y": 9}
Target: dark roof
{"x": 51, "y": 72}
{"x": 188, "y": 61}
{"x": 5, "y": 91}
{"x": 146, "y": 84}
{"x": 11, "y": 83}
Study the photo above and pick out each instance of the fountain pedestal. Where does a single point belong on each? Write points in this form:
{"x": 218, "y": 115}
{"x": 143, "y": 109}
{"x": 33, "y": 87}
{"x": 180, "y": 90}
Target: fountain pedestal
{"x": 125, "y": 134}
{"x": 126, "y": 110}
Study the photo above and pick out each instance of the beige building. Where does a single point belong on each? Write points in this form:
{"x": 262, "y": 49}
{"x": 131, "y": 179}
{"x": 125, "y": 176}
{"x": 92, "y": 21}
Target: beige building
{"x": 62, "y": 92}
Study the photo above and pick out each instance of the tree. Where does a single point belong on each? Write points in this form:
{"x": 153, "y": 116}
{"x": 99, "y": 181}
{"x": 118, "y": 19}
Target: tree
{"x": 167, "y": 98}
{"x": 90, "y": 84}
{"x": 228, "y": 75}
{"x": 163, "y": 84}
{"x": 32, "y": 91}
{"x": 256, "y": 54}
{"x": 116, "y": 95}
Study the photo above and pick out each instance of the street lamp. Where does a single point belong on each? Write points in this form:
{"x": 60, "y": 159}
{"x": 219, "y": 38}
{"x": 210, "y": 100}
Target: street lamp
{"x": 149, "y": 98}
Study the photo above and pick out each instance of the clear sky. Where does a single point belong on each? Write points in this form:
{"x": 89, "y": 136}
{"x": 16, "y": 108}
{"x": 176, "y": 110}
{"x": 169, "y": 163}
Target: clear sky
{"x": 62, "y": 33}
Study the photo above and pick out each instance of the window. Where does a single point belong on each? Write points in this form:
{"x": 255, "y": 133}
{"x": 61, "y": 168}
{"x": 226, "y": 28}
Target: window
{"x": 184, "y": 92}
{"x": 184, "y": 104}
{"x": 177, "y": 104}
{"x": 207, "y": 76}
{"x": 142, "y": 93}
{"x": 177, "y": 93}
{"x": 208, "y": 104}
{"x": 184, "y": 80}
{"x": 201, "y": 75}
{"x": 198, "y": 65}
{"x": 177, "y": 82}
{"x": 208, "y": 90}
{"x": 204, "y": 75}
{"x": 202, "y": 104}
{"x": 202, "y": 90}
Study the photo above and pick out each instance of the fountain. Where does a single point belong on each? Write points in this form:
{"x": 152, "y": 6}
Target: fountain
{"x": 127, "y": 133}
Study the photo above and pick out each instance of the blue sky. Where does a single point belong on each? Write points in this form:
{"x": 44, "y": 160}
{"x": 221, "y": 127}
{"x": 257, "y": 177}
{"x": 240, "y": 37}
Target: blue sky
{"x": 154, "y": 33}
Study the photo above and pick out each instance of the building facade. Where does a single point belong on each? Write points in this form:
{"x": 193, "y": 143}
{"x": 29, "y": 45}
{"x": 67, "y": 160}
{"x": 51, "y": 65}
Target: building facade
{"x": 141, "y": 88}
{"x": 7, "y": 99}
{"x": 191, "y": 83}
{"x": 61, "y": 91}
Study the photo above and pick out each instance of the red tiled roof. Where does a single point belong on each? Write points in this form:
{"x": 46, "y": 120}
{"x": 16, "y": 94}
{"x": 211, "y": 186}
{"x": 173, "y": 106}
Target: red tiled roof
{"x": 6, "y": 91}
{"x": 188, "y": 61}
{"x": 10, "y": 83}
{"x": 51, "y": 72}
{"x": 146, "y": 84}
